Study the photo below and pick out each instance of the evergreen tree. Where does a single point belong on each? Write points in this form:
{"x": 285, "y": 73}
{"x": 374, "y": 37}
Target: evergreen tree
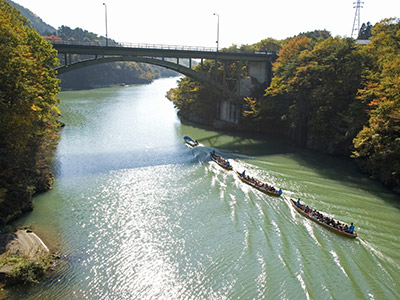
{"x": 365, "y": 31}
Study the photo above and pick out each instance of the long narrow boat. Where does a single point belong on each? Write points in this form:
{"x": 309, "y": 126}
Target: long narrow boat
{"x": 272, "y": 191}
{"x": 221, "y": 162}
{"x": 191, "y": 142}
{"x": 302, "y": 212}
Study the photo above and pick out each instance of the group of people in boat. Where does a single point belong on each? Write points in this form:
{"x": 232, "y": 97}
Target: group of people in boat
{"x": 259, "y": 184}
{"x": 325, "y": 219}
{"x": 220, "y": 159}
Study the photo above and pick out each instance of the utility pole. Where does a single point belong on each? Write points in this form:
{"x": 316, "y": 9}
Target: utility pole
{"x": 356, "y": 23}
{"x": 105, "y": 6}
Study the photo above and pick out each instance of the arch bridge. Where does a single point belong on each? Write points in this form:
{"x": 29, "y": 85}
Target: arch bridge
{"x": 177, "y": 58}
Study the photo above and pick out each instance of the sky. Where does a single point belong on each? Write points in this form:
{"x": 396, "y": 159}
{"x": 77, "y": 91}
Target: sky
{"x": 193, "y": 23}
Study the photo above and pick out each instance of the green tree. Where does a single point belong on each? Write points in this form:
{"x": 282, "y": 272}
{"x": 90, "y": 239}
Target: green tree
{"x": 195, "y": 100}
{"x": 28, "y": 111}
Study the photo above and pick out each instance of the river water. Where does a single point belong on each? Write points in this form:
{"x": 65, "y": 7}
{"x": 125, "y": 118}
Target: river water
{"x": 136, "y": 214}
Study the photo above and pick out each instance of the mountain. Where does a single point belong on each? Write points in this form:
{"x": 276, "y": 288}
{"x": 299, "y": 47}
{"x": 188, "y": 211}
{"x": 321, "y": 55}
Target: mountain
{"x": 37, "y": 23}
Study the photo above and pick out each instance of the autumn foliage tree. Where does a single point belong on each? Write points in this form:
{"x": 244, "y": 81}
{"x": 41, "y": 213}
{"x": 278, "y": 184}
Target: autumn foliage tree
{"x": 313, "y": 92}
{"x": 378, "y": 143}
{"x": 331, "y": 95}
{"x": 28, "y": 112}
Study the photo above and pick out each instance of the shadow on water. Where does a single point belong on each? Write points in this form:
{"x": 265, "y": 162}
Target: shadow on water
{"x": 70, "y": 165}
{"x": 327, "y": 166}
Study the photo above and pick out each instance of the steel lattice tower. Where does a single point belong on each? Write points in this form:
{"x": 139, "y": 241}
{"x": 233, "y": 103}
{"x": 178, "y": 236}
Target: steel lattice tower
{"x": 356, "y": 22}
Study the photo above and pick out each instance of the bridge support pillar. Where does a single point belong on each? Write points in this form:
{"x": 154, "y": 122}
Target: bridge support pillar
{"x": 229, "y": 112}
{"x": 260, "y": 71}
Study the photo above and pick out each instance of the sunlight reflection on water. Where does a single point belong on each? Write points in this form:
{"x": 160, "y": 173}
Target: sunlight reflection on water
{"x": 141, "y": 216}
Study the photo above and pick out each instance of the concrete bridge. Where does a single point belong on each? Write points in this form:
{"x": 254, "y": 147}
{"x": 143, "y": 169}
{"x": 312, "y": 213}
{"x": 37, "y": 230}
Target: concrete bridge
{"x": 179, "y": 59}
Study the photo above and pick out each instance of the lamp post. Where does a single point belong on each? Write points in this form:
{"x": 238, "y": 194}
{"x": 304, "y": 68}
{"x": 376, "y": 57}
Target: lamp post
{"x": 215, "y": 14}
{"x": 105, "y": 6}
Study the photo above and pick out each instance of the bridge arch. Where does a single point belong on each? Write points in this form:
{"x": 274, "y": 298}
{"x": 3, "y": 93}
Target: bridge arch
{"x": 159, "y": 62}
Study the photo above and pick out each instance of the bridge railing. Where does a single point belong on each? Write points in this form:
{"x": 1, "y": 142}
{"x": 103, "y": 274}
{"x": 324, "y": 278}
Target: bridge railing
{"x": 169, "y": 47}
{"x": 155, "y": 46}
{"x": 133, "y": 45}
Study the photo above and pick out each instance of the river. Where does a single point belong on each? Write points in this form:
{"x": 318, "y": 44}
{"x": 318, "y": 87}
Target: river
{"x": 136, "y": 214}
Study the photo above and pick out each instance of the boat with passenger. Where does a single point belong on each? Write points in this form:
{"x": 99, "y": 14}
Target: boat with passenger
{"x": 191, "y": 142}
{"x": 261, "y": 186}
{"x": 224, "y": 163}
{"x": 325, "y": 221}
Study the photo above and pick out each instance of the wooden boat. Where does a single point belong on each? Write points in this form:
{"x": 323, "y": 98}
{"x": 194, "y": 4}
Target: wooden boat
{"x": 215, "y": 157}
{"x": 191, "y": 142}
{"x": 302, "y": 212}
{"x": 274, "y": 192}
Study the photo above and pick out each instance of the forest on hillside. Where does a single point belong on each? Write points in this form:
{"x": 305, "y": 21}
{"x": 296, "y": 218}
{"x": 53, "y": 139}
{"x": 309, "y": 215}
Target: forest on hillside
{"x": 328, "y": 94}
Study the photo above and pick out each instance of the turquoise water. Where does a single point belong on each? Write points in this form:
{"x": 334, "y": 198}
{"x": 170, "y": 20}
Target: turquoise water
{"x": 136, "y": 214}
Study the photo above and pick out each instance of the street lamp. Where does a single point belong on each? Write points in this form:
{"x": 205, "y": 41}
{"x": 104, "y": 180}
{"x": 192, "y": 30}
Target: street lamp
{"x": 215, "y": 14}
{"x": 105, "y": 6}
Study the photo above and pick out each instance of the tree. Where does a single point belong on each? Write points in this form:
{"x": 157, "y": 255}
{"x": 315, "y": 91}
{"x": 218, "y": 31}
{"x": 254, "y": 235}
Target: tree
{"x": 365, "y": 31}
{"x": 195, "y": 100}
{"x": 317, "y": 34}
{"x": 378, "y": 143}
{"x": 314, "y": 90}
{"x": 28, "y": 111}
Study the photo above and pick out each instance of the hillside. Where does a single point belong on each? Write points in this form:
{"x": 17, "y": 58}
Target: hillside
{"x": 37, "y": 23}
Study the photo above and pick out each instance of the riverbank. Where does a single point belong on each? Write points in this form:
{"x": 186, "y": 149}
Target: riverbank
{"x": 24, "y": 257}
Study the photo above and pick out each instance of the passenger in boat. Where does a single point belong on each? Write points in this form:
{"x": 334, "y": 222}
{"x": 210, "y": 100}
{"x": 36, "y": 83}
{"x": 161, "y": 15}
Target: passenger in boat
{"x": 213, "y": 152}
{"x": 227, "y": 163}
{"x": 351, "y": 228}
{"x": 280, "y": 191}
{"x": 298, "y": 203}
{"x": 244, "y": 173}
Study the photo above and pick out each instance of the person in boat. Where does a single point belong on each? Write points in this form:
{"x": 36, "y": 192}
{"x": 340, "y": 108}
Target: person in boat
{"x": 280, "y": 191}
{"x": 213, "y": 152}
{"x": 351, "y": 228}
{"x": 227, "y": 163}
{"x": 244, "y": 174}
{"x": 298, "y": 203}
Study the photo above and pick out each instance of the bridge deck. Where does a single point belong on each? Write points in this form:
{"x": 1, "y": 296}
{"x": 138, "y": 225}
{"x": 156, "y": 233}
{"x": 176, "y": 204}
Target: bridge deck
{"x": 196, "y": 53}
